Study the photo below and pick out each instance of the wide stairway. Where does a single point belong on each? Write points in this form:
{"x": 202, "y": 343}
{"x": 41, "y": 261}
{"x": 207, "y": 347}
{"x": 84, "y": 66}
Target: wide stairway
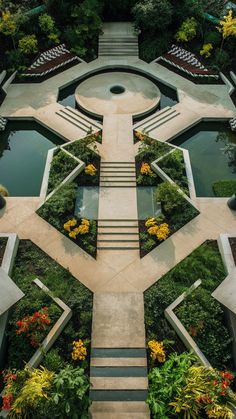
{"x": 78, "y": 119}
{"x": 157, "y": 120}
{"x": 118, "y": 234}
{"x": 117, "y": 174}
{"x": 118, "y": 368}
{"x": 118, "y": 39}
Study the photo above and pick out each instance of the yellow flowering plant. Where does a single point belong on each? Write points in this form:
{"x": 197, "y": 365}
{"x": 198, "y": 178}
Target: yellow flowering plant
{"x": 206, "y": 50}
{"x": 90, "y": 170}
{"x": 161, "y": 231}
{"x": 79, "y": 351}
{"x": 157, "y": 351}
{"x": 139, "y": 136}
{"x": 74, "y": 229}
{"x": 150, "y": 222}
{"x": 227, "y": 26}
{"x": 146, "y": 170}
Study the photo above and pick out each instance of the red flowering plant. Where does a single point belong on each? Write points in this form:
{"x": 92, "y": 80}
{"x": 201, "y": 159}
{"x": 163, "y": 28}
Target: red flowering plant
{"x": 8, "y": 378}
{"x": 33, "y": 326}
{"x": 13, "y": 381}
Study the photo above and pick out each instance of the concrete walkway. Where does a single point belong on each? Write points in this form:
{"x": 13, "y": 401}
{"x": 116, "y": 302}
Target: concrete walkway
{"x": 118, "y": 278}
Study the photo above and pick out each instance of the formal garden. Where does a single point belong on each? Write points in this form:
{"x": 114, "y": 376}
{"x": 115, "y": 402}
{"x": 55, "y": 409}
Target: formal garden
{"x": 59, "y": 386}
{"x": 125, "y": 227}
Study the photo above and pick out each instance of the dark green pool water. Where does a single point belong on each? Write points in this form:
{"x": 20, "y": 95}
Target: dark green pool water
{"x": 205, "y": 144}
{"x": 23, "y": 151}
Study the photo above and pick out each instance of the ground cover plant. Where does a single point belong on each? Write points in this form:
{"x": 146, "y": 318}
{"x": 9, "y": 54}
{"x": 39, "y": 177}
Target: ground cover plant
{"x": 58, "y": 211}
{"x": 176, "y": 211}
{"x": 62, "y": 165}
{"x": 172, "y": 164}
{"x": 149, "y": 150}
{"x": 65, "y": 366}
{"x": 210, "y": 333}
{"x": 224, "y": 188}
{"x": 86, "y": 150}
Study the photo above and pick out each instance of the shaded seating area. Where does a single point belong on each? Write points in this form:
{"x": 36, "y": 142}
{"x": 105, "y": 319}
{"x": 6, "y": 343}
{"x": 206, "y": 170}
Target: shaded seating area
{"x": 50, "y": 61}
{"x": 187, "y": 62}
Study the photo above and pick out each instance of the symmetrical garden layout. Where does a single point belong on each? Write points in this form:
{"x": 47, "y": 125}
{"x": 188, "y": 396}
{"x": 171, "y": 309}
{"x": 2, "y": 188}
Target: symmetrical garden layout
{"x": 112, "y": 268}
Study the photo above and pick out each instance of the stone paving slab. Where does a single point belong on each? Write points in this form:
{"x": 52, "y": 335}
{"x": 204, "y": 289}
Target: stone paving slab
{"x": 118, "y": 320}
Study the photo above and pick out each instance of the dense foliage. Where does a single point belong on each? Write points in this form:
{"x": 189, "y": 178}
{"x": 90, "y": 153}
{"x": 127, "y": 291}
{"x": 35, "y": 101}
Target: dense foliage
{"x": 41, "y": 393}
{"x": 62, "y": 165}
{"x": 59, "y": 209}
{"x": 224, "y": 188}
{"x": 79, "y": 23}
{"x": 181, "y": 388}
{"x": 197, "y": 311}
{"x": 31, "y": 263}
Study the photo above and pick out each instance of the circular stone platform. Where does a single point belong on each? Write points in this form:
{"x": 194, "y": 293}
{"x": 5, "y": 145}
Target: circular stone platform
{"x": 117, "y": 93}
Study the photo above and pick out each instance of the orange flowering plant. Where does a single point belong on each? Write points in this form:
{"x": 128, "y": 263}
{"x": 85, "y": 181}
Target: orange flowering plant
{"x": 33, "y": 326}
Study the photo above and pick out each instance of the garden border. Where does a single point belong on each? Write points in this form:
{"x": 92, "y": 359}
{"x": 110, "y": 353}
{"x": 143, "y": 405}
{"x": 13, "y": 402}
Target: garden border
{"x": 188, "y": 169}
{"x": 180, "y": 329}
{"x": 56, "y": 329}
{"x": 10, "y": 252}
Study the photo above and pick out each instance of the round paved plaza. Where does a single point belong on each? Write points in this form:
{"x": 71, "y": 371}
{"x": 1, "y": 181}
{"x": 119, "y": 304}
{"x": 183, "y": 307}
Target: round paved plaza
{"x": 117, "y": 93}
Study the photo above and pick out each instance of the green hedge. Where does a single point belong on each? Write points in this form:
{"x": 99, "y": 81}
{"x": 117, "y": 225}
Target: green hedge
{"x": 224, "y": 188}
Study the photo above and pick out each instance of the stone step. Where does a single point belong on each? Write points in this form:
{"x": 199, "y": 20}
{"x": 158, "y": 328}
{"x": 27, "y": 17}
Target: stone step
{"x": 109, "y": 185}
{"x": 111, "y": 52}
{"x": 159, "y": 119}
{"x": 108, "y": 371}
{"x": 118, "y": 236}
{"x": 118, "y": 395}
{"x": 150, "y": 118}
{"x": 119, "y": 383}
{"x": 118, "y": 362}
{"x": 118, "y": 245}
{"x": 118, "y": 230}
{"x": 117, "y": 163}
{"x": 94, "y": 123}
{"x": 158, "y": 123}
{"x": 117, "y": 170}
{"x": 118, "y": 48}
{"x": 117, "y": 222}
{"x": 75, "y": 119}
{"x": 118, "y": 38}
{"x": 123, "y": 408}
{"x": 122, "y": 241}
{"x": 76, "y": 124}
{"x": 119, "y": 176}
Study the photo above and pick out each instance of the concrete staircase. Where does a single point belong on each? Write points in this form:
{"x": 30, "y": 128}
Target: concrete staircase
{"x": 118, "y": 365}
{"x": 111, "y": 45}
{"x": 78, "y": 119}
{"x": 158, "y": 119}
{"x": 118, "y": 39}
{"x": 117, "y": 174}
{"x": 119, "y": 383}
{"x": 118, "y": 235}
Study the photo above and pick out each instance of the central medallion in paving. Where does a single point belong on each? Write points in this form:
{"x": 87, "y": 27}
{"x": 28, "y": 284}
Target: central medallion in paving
{"x": 117, "y": 93}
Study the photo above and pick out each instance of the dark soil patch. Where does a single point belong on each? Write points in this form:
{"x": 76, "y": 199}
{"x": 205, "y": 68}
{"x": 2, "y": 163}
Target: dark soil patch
{"x": 3, "y": 243}
{"x": 232, "y": 242}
